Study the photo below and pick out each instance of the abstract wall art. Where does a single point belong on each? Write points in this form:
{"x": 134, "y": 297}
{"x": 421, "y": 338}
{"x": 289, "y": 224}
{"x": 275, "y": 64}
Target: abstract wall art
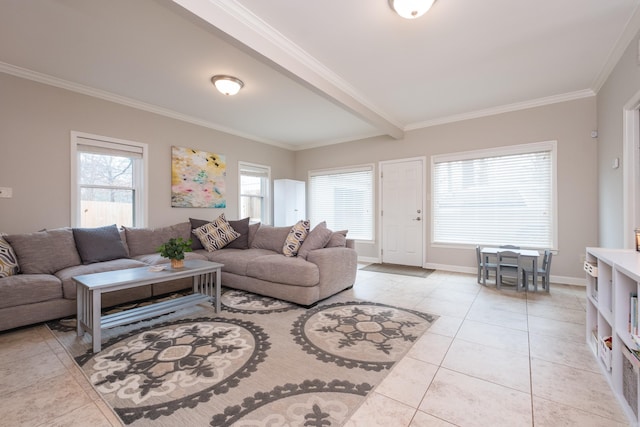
{"x": 197, "y": 179}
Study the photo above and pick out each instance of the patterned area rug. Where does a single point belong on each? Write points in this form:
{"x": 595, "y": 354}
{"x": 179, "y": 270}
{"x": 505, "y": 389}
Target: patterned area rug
{"x": 261, "y": 362}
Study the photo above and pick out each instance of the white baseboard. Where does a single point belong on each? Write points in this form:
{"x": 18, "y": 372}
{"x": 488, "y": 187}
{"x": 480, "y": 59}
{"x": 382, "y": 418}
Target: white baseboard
{"x": 564, "y": 280}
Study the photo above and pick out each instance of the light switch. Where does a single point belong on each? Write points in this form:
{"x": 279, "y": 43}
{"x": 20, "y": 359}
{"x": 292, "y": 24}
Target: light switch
{"x": 6, "y": 192}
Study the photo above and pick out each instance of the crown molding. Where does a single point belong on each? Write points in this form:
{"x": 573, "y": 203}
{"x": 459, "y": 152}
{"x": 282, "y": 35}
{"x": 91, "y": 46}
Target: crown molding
{"x": 540, "y": 102}
{"x": 628, "y": 34}
{"x": 129, "y": 102}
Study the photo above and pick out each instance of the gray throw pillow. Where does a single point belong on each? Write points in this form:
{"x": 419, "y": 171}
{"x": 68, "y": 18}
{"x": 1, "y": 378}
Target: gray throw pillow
{"x": 338, "y": 239}
{"x": 196, "y": 223}
{"x": 99, "y": 244}
{"x": 241, "y": 226}
{"x": 317, "y": 239}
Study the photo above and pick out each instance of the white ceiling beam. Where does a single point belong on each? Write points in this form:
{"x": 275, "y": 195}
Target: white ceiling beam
{"x": 239, "y": 23}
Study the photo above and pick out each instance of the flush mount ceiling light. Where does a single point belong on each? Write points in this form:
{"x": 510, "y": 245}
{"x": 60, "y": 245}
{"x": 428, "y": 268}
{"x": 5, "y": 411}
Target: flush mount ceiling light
{"x": 227, "y": 85}
{"x": 411, "y": 9}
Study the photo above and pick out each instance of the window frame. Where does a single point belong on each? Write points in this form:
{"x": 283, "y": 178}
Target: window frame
{"x": 546, "y": 146}
{"x": 370, "y": 167}
{"x": 266, "y": 208}
{"x": 140, "y": 175}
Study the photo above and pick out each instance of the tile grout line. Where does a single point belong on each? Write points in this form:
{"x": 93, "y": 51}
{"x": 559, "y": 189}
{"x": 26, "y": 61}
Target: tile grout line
{"x": 443, "y": 357}
{"x": 526, "y": 312}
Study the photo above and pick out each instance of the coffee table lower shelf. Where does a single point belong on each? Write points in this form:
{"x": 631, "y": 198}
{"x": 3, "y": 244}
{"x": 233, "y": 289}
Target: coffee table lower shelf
{"x": 152, "y": 310}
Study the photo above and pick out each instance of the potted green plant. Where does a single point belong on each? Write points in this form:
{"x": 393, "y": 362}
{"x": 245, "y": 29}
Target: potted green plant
{"x": 174, "y": 249}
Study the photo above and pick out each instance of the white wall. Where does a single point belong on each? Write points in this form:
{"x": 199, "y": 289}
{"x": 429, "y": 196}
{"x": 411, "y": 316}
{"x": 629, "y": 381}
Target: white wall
{"x": 35, "y": 125}
{"x": 623, "y": 84}
{"x": 570, "y": 123}
{"x": 36, "y": 119}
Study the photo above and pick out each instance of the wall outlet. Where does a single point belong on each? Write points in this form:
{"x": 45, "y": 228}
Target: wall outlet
{"x": 6, "y": 192}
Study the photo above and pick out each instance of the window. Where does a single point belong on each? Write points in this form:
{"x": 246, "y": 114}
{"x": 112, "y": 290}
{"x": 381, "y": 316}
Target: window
{"x": 495, "y": 197}
{"x": 344, "y": 199}
{"x": 108, "y": 178}
{"x": 254, "y": 192}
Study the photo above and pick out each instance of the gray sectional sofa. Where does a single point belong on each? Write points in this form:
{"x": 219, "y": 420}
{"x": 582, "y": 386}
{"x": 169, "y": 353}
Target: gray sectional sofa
{"x": 48, "y": 260}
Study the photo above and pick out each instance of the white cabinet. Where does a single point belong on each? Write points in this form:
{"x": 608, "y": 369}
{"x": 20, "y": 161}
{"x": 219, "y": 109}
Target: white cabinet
{"x": 288, "y": 202}
{"x": 613, "y": 280}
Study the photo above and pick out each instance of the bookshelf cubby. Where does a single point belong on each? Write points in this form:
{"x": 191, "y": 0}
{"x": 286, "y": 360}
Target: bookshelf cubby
{"x": 613, "y": 277}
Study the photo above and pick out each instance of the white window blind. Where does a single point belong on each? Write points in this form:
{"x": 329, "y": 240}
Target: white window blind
{"x": 344, "y": 199}
{"x": 504, "y": 196}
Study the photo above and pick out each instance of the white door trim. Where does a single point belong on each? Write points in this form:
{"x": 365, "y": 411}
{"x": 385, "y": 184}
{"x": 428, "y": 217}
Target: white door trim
{"x": 423, "y": 161}
{"x": 630, "y": 172}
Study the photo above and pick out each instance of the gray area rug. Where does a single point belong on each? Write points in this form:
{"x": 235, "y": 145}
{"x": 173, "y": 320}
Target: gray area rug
{"x": 260, "y": 361}
{"x": 404, "y": 270}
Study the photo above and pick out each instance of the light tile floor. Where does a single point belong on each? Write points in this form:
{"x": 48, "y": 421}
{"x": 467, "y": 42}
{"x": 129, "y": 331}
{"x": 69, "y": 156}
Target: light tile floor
{"x": 493, "y": 358}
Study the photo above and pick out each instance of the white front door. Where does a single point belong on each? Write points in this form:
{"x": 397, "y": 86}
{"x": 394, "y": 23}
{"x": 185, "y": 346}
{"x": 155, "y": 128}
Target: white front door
{"x": 402, "y": 211}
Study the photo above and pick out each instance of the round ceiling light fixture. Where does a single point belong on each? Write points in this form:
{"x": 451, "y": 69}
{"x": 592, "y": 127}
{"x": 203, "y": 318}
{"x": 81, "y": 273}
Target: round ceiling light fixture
{"x": 411, "y": 9}
{"x": 227, "y": 85}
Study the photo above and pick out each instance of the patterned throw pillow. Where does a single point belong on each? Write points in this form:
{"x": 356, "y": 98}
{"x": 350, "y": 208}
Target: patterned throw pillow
{"x": 8, "y": 260}
{"x": 295, "y": 238}
{"x": 217, "y": 234}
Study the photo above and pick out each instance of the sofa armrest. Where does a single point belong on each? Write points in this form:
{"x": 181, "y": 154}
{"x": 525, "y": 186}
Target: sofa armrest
{"x": 337, "y": 267}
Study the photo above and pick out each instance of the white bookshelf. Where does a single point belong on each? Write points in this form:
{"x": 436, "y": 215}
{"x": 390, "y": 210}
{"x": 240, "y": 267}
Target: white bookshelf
{"x": 613, "y": 275}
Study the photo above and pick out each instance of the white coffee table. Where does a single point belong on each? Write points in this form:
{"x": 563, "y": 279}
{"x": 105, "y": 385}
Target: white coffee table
{"x": 90, "y": 287}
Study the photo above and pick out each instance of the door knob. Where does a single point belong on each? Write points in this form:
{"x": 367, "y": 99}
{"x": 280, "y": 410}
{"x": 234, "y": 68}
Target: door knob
{"x": 417, "y": 219}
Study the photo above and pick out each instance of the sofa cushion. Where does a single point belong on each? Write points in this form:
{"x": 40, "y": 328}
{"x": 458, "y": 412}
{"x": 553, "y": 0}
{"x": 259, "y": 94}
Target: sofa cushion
{"x": 235, "y": 260}
{"x": 281, "y": 269}
{"x": 317, "y": 239}
{"x": 216, "y": 234}
{"x": 142, "y": 241}
{"x": 271, "y": 238}
{"x": 123, "y": 238}
{"x": 29, "y": 289}
{"x": 8, "y": 259}
{"x": 240, "y": 226}
{"x": 294, "y": 239}
{"x": 66, "y": 275}
{"x": 45, "y": 252}
{"x": 253, "y": 229}
{"x": 338, "y": 239}
{"x": 99, "y": 244}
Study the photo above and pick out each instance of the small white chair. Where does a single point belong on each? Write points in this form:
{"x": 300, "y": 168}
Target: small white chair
{"x": 543, "y": 272}
{"x": 484, "y": 266}
{"x": 507, "y": 269}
